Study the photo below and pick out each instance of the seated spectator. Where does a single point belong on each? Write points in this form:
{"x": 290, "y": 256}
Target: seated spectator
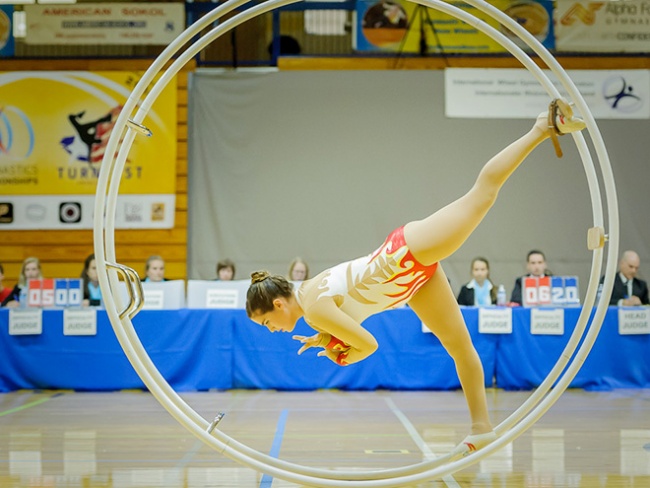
{"x": 628, "y": 290}
{"x": 30, "y": 270}
{"x": 225, "y": 270}
{"x": 480, "y": 291}
{"x": 4, "y": 292}
{"x": 154, "y": 269}
{"x": 298, "y": 270}
{"x": 536, "y": 266}
{"x": 92, "y": 293}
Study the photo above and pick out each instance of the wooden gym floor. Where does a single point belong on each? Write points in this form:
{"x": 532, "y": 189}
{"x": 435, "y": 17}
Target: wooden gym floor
{"x": 126, "y": 439}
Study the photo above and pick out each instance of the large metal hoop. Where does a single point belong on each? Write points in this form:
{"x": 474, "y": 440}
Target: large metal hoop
{"x": 570, "y": 361}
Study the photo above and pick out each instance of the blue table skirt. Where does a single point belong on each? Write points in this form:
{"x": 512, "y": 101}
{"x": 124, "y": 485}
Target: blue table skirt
{"x": 222, "y": 349}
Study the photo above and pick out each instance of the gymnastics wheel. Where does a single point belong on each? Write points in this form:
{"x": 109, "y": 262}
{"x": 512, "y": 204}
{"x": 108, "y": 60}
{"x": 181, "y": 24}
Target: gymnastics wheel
{"x": 129, "y": 124}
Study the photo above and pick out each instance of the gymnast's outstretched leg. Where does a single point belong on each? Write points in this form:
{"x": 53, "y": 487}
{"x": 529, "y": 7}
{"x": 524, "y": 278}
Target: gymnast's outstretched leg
{"x": 436, "y": 237}
{"x": 435, "y": 304}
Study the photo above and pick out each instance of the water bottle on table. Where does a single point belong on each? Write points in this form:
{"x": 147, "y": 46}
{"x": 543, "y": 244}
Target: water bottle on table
{"x": 22, "y": 298}
{"x": 501, "y": 296}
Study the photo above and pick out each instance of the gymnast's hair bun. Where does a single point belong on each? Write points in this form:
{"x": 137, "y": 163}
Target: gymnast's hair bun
{"x": 258, "y": 276}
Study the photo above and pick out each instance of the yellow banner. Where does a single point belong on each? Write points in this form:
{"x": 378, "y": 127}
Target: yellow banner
{"x": 54, "y": 127}
{"x": 407, "y": 27}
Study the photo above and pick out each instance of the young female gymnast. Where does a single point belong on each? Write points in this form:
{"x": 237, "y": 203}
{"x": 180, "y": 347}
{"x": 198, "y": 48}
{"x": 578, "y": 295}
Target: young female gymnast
{"x": 405, "y": 269}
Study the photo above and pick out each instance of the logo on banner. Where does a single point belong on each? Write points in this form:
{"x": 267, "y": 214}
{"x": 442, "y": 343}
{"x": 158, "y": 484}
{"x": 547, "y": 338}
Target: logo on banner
{"x": 5, "y": 29}
{"x": 157, "y": 212}
{"x": 70, "y": 212}
{"x": 133, "y": 212}
{"x": 16, "y": 134}
{"x": 620, "y": 95}
{"x": 89, "y": 143}
{"x": 6, "y": 212}
{"x": 586, "y": 15}
{"x": 35, "y": 212}
{"x": 384, "y": 24}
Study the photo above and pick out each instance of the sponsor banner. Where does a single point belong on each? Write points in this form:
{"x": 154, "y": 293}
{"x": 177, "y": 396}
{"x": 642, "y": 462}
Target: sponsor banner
{"x": 19, "y": 212}
{"x": 6, "y": 31}
{"x": 53, "y": 147}
{"x": 516, "y": 94}
{"x": 495, "y": 320}
{"x": 105, "y": 23}
{"x": 633, "y": 320}
{"x": 403, "y": 26}
{"x": 545, "y": 321}
{"x": 605, "y": 26}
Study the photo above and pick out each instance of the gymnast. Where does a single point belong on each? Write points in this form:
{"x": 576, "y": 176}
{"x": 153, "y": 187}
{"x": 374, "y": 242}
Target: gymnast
{"x": 406, "y": 268}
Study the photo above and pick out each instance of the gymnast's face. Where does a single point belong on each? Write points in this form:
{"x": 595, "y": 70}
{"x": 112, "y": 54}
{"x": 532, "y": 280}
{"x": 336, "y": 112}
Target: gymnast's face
{"x": 280, "y": 319}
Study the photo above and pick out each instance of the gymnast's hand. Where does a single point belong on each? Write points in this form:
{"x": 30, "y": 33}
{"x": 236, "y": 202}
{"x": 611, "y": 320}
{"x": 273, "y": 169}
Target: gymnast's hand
{"x": 329, "y": 354}
{"x": 339, "y": 357}
{"x": 317, "y": 340}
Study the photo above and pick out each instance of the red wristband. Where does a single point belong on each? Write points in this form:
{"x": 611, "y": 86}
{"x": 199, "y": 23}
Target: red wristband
{"x": 336, "y": 344}
{"x": 341, "y": 359}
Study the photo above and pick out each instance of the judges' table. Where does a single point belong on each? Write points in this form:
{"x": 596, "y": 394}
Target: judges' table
{"x": 222, "y": 349}
{"x": 191, "y": 348}
{"x": 615, "y": 361}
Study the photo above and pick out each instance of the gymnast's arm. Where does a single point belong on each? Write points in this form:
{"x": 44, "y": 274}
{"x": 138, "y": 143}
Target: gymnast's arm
{"x": 328, "y": 317}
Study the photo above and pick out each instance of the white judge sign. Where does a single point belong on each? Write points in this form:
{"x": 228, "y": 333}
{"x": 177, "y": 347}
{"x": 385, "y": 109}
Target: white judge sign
{"x": 80, "y": 322}
{"x": 26, "y": 321}
{"x": 495, "y": 320}
{"x": 634, "y": 320}
{"x": 221, "y": 298}
{"x": 547, "y": 321}
{"x": 154, "y": 299}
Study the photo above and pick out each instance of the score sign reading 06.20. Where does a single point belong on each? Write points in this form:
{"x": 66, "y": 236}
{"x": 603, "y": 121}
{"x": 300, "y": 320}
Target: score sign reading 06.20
{"x": 550, "y": 291}
{"x": 62, "y": 292}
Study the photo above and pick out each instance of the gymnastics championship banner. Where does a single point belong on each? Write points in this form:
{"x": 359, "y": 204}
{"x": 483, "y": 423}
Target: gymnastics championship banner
{"x": 54, "y": 127}
{"x": 605, "y": 26}
{"x": 516, "y": 94}
{"x": 406, "y": 27}
{"x": 147, "y": 23}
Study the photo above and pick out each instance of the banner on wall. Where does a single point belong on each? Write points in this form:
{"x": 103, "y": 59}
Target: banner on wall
{"x": 51, "y": 149}
{"x": 6, "y": 31}
{"x": 407, "y": 27}
{"x": 604, "y": 26}
{"x": 105, "y": 23}
{"x": 515, "y": 93}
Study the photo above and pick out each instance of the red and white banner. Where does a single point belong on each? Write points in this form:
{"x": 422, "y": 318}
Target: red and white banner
{"x": 605, "y": 26}
{"x": 105, "y": 23}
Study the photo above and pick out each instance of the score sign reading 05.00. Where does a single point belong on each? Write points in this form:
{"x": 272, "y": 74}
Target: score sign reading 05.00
{"x": 61, "y": 292}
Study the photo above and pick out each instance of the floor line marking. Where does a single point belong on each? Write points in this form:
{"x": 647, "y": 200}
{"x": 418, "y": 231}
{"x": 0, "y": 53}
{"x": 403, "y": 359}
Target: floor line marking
{"x": 267, "y": 480}
{"x": 419, "y": 441}
{"x": 29, "y": 405}
{"x": 189, "y": 455}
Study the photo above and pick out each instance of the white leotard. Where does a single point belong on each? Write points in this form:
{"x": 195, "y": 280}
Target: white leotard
{"x": 385, "y": 279}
